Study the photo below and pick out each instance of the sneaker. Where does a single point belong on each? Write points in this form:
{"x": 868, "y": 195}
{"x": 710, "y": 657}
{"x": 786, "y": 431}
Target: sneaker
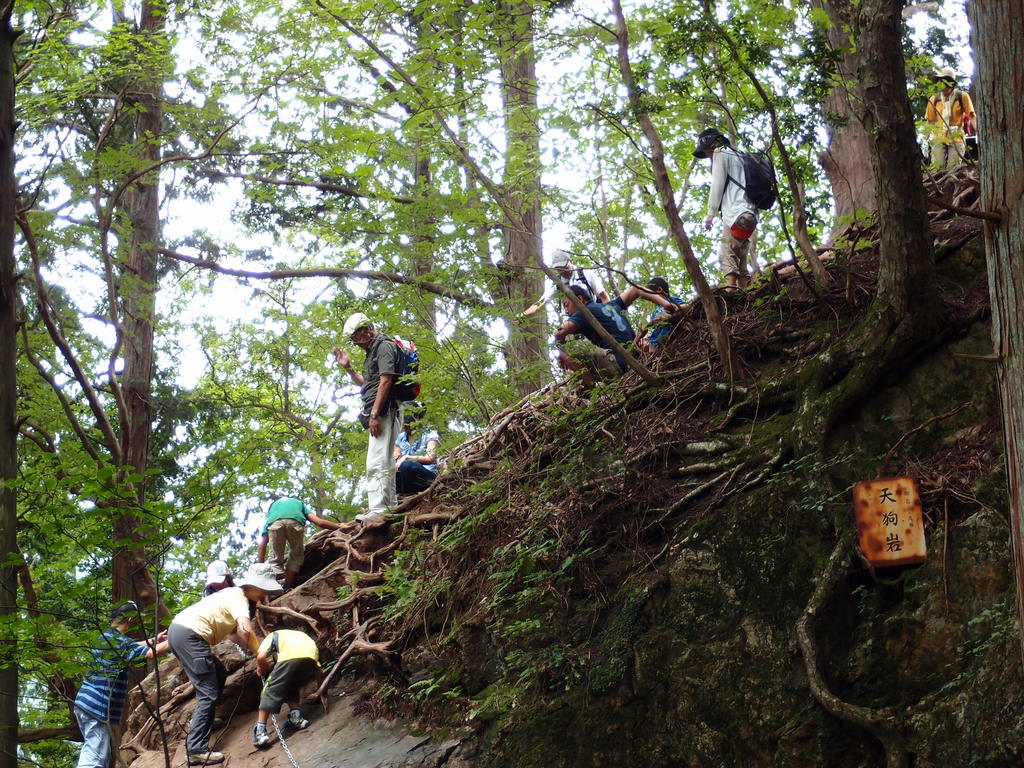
{"x": 260, "y": 737}
{"x": 296, "y": 720}
{"x": 205, "y": 758}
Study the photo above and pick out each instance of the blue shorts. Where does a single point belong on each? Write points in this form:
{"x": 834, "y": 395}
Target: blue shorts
{"x": 96, "y": 741}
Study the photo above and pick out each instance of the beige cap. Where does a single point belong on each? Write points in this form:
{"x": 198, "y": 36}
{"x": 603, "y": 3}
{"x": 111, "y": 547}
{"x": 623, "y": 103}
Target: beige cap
{"x": 946, "y": 73}
{"x": 356, "y": 321}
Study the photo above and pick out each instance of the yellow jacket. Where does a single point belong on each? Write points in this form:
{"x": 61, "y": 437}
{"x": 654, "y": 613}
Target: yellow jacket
{"x": 962, "y": 105}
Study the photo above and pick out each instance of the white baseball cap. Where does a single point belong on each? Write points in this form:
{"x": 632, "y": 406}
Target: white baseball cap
{"x": 560, "y": 259}
{"x": 355, "y": 321}
{"x": 217, "y": 572}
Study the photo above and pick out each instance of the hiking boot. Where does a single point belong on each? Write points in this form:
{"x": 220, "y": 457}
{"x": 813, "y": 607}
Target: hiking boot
{"x": 296, "y": 720}
{"x": 371, "y": 519}
{"x": 260, "y": 737}
{"x": 205, "y": 758}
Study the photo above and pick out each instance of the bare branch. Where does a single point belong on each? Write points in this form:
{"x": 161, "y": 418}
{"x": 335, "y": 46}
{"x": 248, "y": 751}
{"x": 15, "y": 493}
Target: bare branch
{"x": 282, "y": 274}
{"x": 323, "y": 186}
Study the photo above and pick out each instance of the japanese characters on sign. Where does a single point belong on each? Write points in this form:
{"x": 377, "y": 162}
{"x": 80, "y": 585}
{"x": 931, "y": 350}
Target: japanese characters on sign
{"x": 890, "y": 525}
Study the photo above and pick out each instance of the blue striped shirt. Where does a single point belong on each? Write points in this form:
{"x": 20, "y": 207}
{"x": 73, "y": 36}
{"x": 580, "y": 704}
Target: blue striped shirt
{"x": 105, "y": 687}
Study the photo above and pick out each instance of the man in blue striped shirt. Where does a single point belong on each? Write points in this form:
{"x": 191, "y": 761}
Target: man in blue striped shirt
{"x": 100, "y": 700}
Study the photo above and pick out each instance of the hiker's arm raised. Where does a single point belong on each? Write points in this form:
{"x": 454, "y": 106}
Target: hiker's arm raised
{"x": 342, "y": 358}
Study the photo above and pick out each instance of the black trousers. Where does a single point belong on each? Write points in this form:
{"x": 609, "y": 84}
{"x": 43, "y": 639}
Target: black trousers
{"x": 207, "y": 676}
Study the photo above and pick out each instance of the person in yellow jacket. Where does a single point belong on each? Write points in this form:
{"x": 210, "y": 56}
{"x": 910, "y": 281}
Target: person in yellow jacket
{"x": 950, "y": 112}
{"x": 297, "y": 662}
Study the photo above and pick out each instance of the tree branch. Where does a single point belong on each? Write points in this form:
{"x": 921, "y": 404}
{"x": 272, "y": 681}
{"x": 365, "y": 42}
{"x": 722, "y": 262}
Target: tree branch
{"x": 281, "y": 274}
{"x": 323, "y": 186}
{"x": 42, "y": 301}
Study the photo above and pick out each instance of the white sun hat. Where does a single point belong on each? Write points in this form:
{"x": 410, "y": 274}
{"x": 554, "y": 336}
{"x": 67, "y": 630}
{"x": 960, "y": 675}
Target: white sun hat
{"x": 262, "y": 576}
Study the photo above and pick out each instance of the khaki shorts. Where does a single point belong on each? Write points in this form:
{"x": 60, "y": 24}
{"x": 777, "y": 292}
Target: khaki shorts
{"x": 292, "y": 533}
{"x": 594, "y": 359}
{"x": 733, "y": 253}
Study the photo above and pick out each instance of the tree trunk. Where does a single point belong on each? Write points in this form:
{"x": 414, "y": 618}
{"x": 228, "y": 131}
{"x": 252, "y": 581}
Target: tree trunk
{"x": 906, "y": 291}
{"x": 846, "y": 159}
{"x": 998, "y": 46}
{"x": 663, "y": 183}
{"x": 8, "y": 400}
{"x": 902, "y": 322}
{"x": 527, "y": 346}
{"x": 131, "y": 574}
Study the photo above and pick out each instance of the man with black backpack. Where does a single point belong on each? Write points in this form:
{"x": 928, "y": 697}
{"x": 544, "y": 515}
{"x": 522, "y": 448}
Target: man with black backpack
{"x": 382, "y": 412}
{"x": 729, "y": 195}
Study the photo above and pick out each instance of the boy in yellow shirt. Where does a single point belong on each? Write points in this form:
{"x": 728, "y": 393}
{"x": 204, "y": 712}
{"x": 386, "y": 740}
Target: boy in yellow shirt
{"x": 297, "y": 662}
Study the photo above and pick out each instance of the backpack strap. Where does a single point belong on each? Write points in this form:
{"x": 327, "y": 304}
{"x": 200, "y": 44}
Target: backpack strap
{"x": 583, "y": 278}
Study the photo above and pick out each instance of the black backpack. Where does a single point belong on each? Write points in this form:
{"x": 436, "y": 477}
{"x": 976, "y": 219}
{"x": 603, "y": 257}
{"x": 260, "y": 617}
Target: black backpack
{"x": 761, "y": 189}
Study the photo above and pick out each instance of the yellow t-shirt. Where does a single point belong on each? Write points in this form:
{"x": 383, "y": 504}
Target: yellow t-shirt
{"x": 288, "y": 644}
{"x": 213, "y": 618}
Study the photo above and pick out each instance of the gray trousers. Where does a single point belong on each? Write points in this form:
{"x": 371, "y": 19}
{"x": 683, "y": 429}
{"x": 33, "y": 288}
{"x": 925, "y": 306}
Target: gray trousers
{"x": 207, "y": 676}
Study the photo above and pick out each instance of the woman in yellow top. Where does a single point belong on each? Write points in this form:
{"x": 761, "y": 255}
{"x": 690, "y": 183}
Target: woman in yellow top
{"x": 950, "y": 111}
{"x": 194, "y": 632}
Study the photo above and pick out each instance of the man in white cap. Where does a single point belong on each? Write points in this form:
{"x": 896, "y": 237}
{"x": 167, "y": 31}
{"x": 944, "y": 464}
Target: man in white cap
{"x": 382, "y": 414}
{"x": 218, "y": 576}
{"x": 950, "y": 112}
{"x": 575, "y": 277}
{"x": 194, "y": 632}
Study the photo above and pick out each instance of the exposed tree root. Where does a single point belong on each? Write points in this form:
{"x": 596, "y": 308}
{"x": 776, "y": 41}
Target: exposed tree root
{"x": 884, "y": 724}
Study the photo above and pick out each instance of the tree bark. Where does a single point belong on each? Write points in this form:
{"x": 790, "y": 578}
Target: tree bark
{"x": 846, "y": 159}
{"x": 903, "y": 320}
{"x": 132, "y": 579}
{"x": 907, "y": 290}
{"x": 998, "y": 46}
{"x": 527, "y": 346}
{"x": 8, "y": 402}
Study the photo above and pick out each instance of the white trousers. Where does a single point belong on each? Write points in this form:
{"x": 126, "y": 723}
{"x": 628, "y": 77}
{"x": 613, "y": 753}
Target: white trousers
{"x": 380, "y": 465}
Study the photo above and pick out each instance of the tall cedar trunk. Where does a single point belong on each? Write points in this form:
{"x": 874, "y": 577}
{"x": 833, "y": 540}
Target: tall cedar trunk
{"x": 999, "y": 48}
{"x": 424, "y": 313}
{"x": 846, "y": 159}
{"x": 8, "y": 398}
{"x": 527, "y": 347}
{"x": 132, "y": 577}
{"x": 906, "y": 292}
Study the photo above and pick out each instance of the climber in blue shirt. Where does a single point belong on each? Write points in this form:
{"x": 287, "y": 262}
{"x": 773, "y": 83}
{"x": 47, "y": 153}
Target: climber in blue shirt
{"x": 597, "y": 357}
{"x": 100, "y": 700}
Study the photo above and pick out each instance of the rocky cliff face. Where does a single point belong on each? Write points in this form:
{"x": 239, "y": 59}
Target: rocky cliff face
{"x": 615, "y": 578}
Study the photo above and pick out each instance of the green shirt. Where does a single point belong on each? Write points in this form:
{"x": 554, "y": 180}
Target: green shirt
{"x": 291, "y": 509}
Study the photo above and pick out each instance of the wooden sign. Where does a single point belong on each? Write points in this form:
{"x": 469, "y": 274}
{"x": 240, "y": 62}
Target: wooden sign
{"x": 890, "y": 525}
